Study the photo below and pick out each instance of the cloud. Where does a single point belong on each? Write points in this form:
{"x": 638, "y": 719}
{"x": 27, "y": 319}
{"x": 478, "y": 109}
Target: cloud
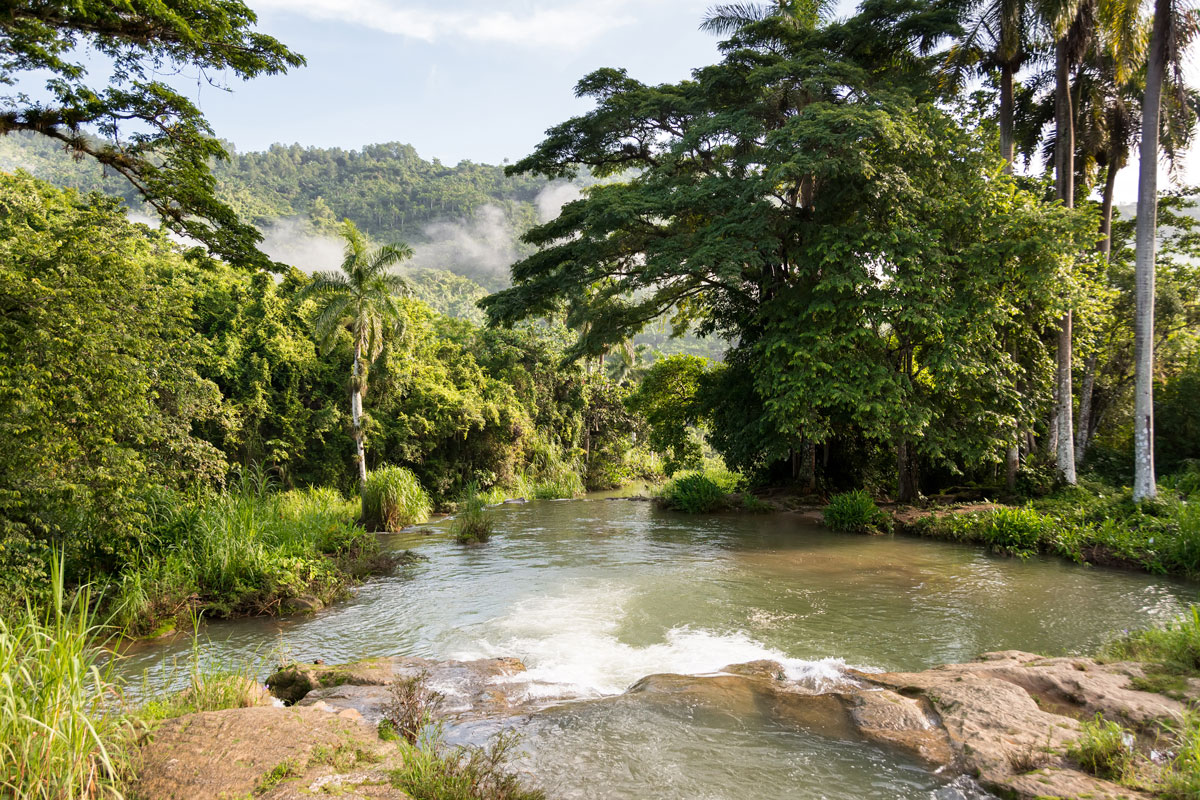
{"x": 556, "y": 195}
{"x": 564, "y": 25}
{"x": 482, "y": 247}
{"x": 292, "y": 242}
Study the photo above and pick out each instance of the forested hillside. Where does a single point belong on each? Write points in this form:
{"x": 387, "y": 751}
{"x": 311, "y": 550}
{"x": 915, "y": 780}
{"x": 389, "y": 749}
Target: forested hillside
{"x": 471, "y": 214}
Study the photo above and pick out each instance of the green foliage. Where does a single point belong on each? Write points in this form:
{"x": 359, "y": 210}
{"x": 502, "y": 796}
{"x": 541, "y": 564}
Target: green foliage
{"x": 694, "y": 493}
{"x": 99, "y": 383}
{"x": 1086, "y": 523}
{"x": 1103, "y": 749}
{"x": 211, "y": 687}
{"x": 245, "y": 551}
{"x": 882, "y": 284}
{"x": 667, "y": 399}
{"x": 855, "y": 512}
{"x": 58, "y": 737}
{"x": 1174, "y": 648}
{"x": 472, "y": 523}
{"x": 1181, "y": 778}
{"x": 434, "y": 772}
{"x": 167, "y": 157}
{"x": 395, "y": 499}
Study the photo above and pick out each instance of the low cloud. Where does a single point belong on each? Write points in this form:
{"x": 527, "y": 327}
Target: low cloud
{"x": 563, "y": 25}
{"x": 551, "y": 199}
{"x": 482, "y": 247}
{"x": 292, "y": 242}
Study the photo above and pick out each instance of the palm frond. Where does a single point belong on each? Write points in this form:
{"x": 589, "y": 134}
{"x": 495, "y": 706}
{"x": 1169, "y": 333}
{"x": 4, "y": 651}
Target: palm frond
{"x": 331, "y": 318}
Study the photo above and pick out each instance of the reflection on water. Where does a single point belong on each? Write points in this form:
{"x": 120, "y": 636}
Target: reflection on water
{"x": 594, "y": 595}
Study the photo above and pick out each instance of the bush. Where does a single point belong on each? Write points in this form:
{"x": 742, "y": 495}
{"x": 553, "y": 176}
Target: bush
{"x": 693, "y": 493}
{"x": 411, "y": 708}
{"x": 855, "y": 512}
{"x": 395, "y": 499}
{"x": 471, "y": 523}
{"x": 1103, "y": 749}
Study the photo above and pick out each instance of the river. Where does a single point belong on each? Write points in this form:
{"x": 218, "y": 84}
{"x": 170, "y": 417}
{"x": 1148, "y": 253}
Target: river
{"x": 594, "y": 594}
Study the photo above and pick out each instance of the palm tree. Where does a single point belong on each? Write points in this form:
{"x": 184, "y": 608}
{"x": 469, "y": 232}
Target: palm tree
{"x": 729, "y": 17}
{"x": 361, "y": 298}
{"x": 996, "y": 36}
{"x": 1167, "y": 41}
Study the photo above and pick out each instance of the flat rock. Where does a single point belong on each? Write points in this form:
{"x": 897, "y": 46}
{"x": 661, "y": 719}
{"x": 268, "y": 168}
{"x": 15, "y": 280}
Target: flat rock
{"x": 268, "y": 752}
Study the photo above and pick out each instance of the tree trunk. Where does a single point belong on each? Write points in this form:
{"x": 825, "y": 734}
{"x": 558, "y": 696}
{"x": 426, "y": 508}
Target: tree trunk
{"x": 356, "y": 415}
{"x": 1106, "y": 209}
{"x": 1064, "y": 130}
{"x": 906, "y": 479}
{"x": 1012, "y": 465}
{"x": 1144, "y": 485}
{"x": 1006, "y": 118}
{"x": 1084, "y": 432}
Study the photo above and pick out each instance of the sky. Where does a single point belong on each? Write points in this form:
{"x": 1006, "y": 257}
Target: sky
{"x": 459, "y": 79}
{"x": 477, "y": 80}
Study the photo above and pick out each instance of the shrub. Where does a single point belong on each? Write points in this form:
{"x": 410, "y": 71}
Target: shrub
{"x": 471, "y": 523}
{"x": 693, "y": 493}
{"x": 1103, "y": 749}
{"x": 57, "y": 738}
{"x": 395, "y": 499}
{"x": 411, "y": 708}
{"x": 855, "y": 512}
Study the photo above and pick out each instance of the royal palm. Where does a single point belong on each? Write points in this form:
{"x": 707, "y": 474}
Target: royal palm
{"x": 361, "y": 298}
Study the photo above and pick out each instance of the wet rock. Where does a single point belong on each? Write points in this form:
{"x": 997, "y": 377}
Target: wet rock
{"x": 304, "y": 604}
{"x": 471, "y": 688}
{"x": 272, "y": 753}
{"x": 291, "y": 683}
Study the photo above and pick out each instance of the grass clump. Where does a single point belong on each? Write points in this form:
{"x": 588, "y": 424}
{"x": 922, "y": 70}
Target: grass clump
{"x": 57, "y": 739}
{"x": 1173, "y": 648}
{"x": 1103, "y": 749}
{"x": 211, "y": 687}
{"x": 471, "y": 524}
{"x": 435, "y": 772}
{"x": 395, "y": 499}
{"x": 693, "y": 493}
{"x": 856, "y": 512}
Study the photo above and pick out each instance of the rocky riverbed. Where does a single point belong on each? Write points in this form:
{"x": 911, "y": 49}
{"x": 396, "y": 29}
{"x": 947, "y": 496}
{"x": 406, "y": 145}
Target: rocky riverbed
{"x": 1004, "y": 721}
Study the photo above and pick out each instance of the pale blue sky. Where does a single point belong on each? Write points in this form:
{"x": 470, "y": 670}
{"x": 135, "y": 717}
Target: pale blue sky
{"x": 463, "y": 79}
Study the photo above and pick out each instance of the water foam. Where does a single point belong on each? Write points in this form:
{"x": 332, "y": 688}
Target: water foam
{"x": 569, "y": 643}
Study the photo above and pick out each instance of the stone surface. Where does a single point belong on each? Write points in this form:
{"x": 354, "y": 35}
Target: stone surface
{"x": 272, "y": 753}
{"x": 1005, "y": 720}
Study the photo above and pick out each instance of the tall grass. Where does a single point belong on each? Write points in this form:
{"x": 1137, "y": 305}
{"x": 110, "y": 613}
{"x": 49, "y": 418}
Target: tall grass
{"x": 56, "y": 740}
{"x": 471, "y": 523}
{"x": 395, "y": 499}
{"x": 247, "y": 550}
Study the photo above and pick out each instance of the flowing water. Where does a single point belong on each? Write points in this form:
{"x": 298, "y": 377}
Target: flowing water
{"x": 593, "y": 595}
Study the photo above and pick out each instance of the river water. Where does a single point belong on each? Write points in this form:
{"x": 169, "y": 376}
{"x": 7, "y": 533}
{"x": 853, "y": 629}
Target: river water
{"x": 593, "y": 595}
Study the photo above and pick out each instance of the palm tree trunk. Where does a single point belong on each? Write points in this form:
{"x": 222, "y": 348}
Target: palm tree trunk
{"x": 1147, "y": 224}
{"x": 356, "y": 415}
{"x": 1065, "y": 183}
{"x": 1106, "y": 208}
{"x": 1006, "y": 118}
{"x": 1083, "y": 434}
